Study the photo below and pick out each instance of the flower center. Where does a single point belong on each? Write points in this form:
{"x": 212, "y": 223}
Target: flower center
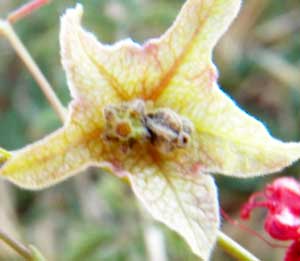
{"x": 130, "y": 122}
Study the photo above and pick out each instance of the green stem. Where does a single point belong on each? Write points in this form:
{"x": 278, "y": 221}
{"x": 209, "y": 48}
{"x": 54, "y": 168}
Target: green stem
{"x": 18, "y": 247}
{"x": 7, "y": 30}
{"x": 234, "y": 249}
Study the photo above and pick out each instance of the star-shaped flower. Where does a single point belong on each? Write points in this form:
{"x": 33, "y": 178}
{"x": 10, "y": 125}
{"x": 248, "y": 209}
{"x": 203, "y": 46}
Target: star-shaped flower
{"x": 154, "y": 113}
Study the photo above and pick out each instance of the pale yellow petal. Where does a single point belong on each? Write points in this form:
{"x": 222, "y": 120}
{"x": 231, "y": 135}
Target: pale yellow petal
{"x": 143, "y": 71}
{"x": 4, "y": 156}
{"x": 58, "y": 156}
{"x": 226, "y": 139}
{"x": 122, "y": 67}
{"x": 85, "y": 78}
{"x": 185, "y": 202}
{"x": 187, "y": 46}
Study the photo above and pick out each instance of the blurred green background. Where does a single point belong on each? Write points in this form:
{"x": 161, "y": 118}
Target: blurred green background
{"x": 94, "y": 216}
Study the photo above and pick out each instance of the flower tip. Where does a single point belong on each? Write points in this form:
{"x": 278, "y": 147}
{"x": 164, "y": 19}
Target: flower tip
{"x": 74, "y": 12}
{"x": 4, "y": 156}
{"x": 127, "y": 43}
{"x": 79, "y": 8}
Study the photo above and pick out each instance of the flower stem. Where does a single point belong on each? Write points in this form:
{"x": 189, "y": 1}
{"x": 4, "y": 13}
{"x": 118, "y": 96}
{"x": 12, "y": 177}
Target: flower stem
{"x": 18, "y": 247}
{"x": 234, "y": 249}
{"x": 23, "y": 53}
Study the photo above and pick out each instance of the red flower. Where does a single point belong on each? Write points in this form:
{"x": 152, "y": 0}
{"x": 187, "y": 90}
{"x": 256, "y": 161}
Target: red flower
{"x": 283, "y": 225}
{"x": 282, "y": 199}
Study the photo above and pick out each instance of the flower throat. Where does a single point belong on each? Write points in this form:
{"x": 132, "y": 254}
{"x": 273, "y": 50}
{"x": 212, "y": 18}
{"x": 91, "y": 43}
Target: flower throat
{"x": 130, "y": 122}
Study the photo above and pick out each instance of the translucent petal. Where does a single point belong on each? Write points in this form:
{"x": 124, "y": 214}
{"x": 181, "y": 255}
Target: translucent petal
{"x": 227, "y": 140}
{"x": 58, "y": 156}
{"x": 136, "y": 71}
{"x": 86, "y": 80}
{"x": 4, "y": 156}
{"x": 185, "y": 202}
{"x": 118, "y": 68}
{"x": 185, "y": 50}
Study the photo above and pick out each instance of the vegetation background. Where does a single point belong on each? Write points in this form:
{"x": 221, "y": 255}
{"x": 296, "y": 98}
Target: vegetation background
{"x": 95, "y": 216}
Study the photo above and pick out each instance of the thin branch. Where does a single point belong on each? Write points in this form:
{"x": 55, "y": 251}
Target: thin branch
{"x": 234, "y": 249}
{"x": 17, "y": 246}
{"x": 279, "y": 28}
{"x": 249, "y": 230}
{"x": 25, "y": 10}
{"x": 153, "y": 237}
{"x": 276, "y": 66}
{"x": 23, "y": 53}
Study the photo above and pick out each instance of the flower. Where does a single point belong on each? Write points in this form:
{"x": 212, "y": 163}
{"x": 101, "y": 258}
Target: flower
{"x": 154, "y": 114}
{"x": 282, "y": 199}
